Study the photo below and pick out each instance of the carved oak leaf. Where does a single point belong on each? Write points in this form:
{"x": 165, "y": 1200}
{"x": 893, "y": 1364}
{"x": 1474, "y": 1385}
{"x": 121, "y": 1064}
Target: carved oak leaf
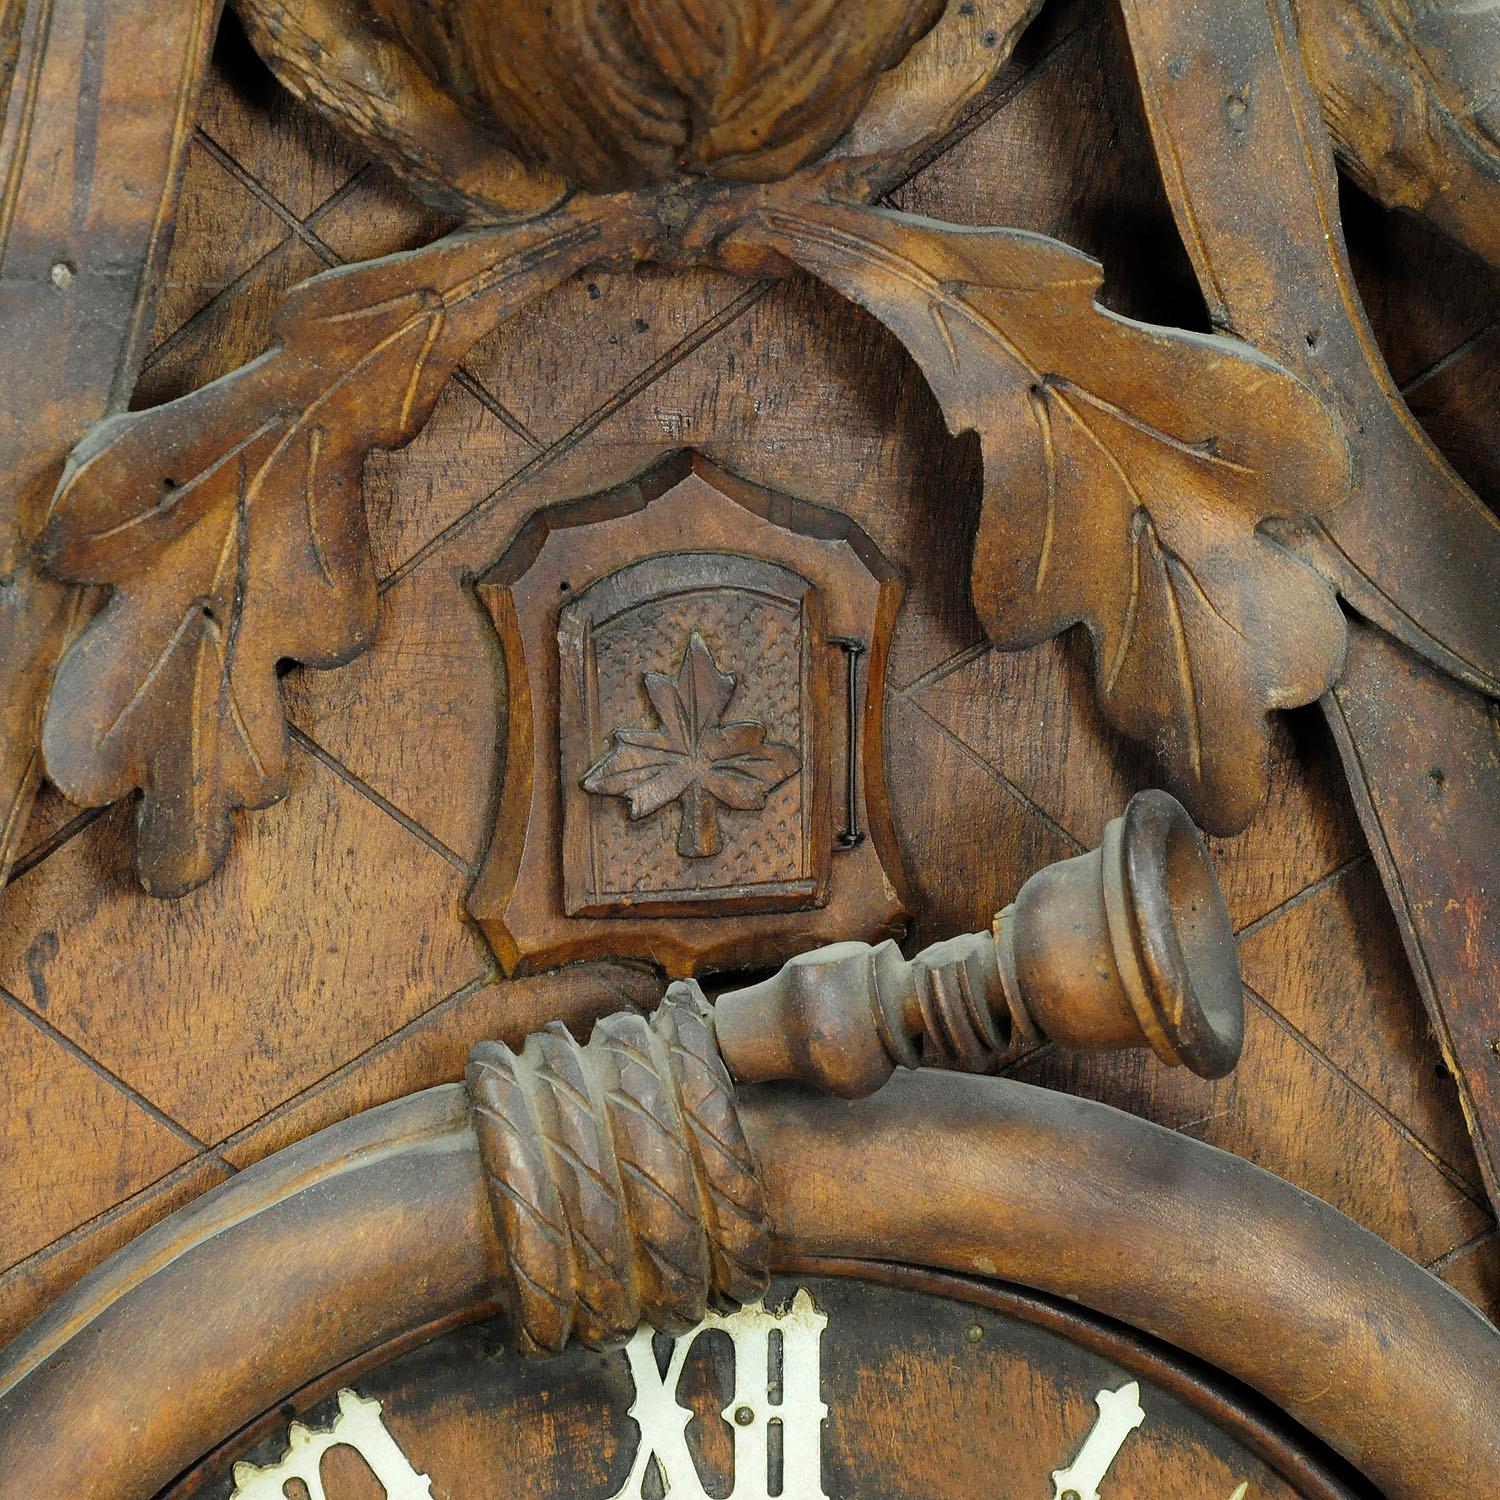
{"x": 694, "y": 758}
{"x": 230, "y": 522}
{"x": 1128, "y": 471}
{"x": 38, "y": 616}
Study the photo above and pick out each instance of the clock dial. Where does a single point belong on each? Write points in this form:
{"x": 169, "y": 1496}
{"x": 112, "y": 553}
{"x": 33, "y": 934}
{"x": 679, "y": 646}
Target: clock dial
{"x": 831, "y": 1389}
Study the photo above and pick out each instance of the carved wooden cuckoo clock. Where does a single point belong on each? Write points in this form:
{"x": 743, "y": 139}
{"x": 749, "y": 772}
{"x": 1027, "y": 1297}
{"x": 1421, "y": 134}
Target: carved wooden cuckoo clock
{"x": 749, "y": 748}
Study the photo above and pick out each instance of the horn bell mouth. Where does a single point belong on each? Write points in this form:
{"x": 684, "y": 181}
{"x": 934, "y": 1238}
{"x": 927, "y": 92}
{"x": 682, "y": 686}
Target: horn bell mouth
{"x": 1171, "y": 933}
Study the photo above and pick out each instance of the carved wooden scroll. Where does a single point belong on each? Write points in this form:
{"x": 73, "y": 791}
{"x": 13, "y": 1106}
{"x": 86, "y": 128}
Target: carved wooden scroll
{"x": 695, "y": 679}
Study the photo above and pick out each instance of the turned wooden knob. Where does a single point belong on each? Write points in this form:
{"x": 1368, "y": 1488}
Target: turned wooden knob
{"x": 1128, "y": 946}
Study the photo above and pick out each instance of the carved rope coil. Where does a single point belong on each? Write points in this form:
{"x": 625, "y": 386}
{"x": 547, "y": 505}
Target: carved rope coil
{"x": 619, "y": 1177}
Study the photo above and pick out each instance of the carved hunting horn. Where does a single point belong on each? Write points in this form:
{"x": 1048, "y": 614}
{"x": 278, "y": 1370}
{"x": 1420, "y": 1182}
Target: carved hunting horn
{"x": 620, "y": 1176}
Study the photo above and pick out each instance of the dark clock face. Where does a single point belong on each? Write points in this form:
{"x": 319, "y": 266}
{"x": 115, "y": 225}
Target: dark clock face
{"x": 913, "y": 1388}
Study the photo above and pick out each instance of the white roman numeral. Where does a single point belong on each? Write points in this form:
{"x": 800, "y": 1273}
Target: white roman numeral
{"x": 358, "y": 1426}
{"x": 796, "y": 1416}
{"x": 1120, "y": 1414}
{"x": 662, "y": 1422}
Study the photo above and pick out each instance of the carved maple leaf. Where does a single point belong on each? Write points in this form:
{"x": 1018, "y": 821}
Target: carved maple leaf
{"x": 1129, "y": 474}
{"x": 231, "y": 524}
{"x": 694, "y": 757}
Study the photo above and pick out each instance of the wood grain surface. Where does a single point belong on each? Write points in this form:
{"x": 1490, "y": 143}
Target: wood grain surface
{"x": 163, "y": 1046}
{"x": 1414, "y": 551}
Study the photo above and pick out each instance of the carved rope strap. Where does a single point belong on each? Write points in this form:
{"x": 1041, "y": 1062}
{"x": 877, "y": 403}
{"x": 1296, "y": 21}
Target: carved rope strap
{"x": 619, "y": 1176}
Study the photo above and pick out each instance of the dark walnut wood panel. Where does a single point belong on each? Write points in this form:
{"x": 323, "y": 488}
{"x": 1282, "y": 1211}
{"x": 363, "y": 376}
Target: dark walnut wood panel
{"x": 112, "y": 1144}
{"x": 232, "y": 1016}
{"x": 39, "y": 1280}
{"x": 802, "y": 394}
